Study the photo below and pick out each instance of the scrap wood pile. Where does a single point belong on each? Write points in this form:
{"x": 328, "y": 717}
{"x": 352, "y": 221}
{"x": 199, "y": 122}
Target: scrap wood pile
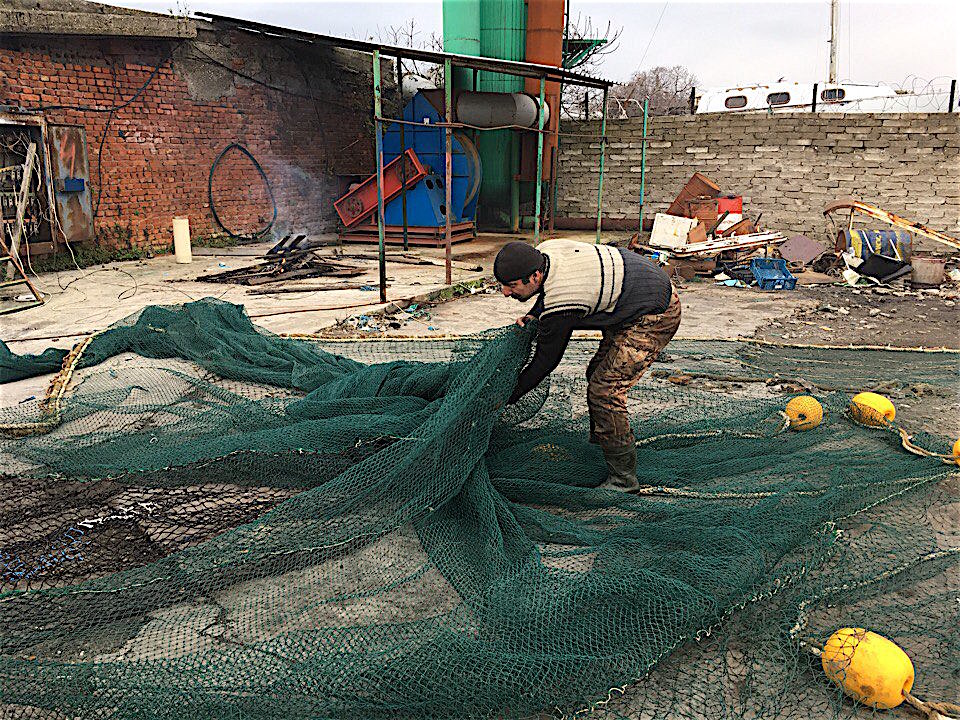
{"x": 704, "y": 229}
{"x": 287, "y": 260}
{"x": 705, "y": 232}
{"x": 294, "y": 259}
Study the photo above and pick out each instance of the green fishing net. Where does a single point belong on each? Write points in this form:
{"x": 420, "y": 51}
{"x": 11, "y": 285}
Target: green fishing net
{"x": 212, "y": 521}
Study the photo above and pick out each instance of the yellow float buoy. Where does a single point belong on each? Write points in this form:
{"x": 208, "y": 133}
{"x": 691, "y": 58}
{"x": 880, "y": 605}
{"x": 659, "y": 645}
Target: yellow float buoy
{"x": 805, "y": 412}
{"x": 867, "y": 667}
{"x": 956, "y": 451}
{"x": 872, "y": 409}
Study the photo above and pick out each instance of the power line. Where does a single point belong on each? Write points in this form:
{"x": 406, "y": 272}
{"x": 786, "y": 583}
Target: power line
{"x": 653, "y": 35}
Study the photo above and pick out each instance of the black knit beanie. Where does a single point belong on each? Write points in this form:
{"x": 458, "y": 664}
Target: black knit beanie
{"x": 517, "y": 260}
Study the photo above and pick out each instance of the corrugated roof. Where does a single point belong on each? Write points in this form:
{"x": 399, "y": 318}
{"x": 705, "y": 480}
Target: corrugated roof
{"x": 523, "y": 69}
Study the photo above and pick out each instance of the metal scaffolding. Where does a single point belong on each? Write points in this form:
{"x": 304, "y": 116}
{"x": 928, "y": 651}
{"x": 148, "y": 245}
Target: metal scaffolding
{"x": 543, "y": 73}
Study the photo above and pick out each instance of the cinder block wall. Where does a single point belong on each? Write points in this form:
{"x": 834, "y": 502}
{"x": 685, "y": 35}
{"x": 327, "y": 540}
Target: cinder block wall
{"x": 787, "y": 166}
{"x": 305, "y": 114}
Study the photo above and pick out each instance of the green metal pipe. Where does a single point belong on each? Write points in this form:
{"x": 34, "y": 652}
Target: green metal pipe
{"x": 514, "y": 170}
{"x": 555, "y": 175}
{"x": 603, "y": 148}
{"x": 536, "y": 207}
{"x": 448, "y": 163}
{"x": 502, "y": 36}
{"x": 377, "y": 112}
{"x": 643, "y": 160}
{"x": 403, "y": 151}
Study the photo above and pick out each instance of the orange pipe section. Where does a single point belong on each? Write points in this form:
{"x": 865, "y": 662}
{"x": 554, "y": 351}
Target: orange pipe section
{"x": 545, "y": 46}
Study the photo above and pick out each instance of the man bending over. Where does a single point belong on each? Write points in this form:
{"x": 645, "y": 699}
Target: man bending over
{"x": 584, "y": 286}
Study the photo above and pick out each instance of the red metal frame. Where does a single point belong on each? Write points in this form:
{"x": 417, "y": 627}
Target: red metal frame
{"x": 361, "y": 202}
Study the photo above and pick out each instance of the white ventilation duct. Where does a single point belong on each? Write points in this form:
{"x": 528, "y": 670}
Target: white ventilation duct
{"x": 488, "y": 109}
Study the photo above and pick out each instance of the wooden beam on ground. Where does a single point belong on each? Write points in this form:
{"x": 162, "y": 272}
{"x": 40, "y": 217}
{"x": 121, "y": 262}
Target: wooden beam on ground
{"x": 309, "y": 288}
{"x": 855, "y": 206}
{"x": 22, "y": 204}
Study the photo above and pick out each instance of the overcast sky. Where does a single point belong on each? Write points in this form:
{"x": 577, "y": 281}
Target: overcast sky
{"x": 721, "y": 43}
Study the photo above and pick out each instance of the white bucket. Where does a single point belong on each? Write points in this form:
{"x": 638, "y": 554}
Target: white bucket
{"x": 181, "y": 240}
{"x": 927, "y": 270}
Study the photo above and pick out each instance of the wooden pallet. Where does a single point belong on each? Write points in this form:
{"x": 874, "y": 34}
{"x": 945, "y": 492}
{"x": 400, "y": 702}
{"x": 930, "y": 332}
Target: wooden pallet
{"x": 18, "y": 277}
{"x": 421, "y": 236}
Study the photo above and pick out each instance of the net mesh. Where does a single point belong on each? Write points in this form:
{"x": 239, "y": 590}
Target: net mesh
{"x": 213, "y": 521}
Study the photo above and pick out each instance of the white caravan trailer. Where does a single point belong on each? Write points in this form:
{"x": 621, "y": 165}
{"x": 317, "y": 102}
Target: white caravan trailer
{"x": 798, "y": 97}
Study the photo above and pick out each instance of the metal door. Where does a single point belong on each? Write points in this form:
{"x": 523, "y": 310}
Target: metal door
{"x": 71, "y": 181}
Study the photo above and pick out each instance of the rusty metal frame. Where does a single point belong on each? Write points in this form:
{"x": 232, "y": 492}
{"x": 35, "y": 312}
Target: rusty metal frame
{"x": 855, "y": 206}
{"x": 537, "y": 71}
{"x": 40, "y": 122}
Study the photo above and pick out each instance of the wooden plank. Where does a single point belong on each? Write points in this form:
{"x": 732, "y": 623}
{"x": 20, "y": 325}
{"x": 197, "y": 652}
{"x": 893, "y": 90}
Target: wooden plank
{"x": 415, "y": 260}
{"x": 310, "y": 288}
{"x": 302, "y": 273}
{"x": 895, "y": 220}
{"x": 419, "y": 242}
{"x": 22, "y": 203}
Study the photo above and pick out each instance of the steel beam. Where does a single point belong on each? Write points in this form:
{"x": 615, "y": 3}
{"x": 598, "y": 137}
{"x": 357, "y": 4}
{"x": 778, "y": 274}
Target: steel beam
{"x": 643, "y": 160}
{"x": 448, "y": 162}
{"x": 378, "y": 131}
{"x": 603, "y": 148}
{"x": 539, "y": 189}
{"x": 403, "y": 150}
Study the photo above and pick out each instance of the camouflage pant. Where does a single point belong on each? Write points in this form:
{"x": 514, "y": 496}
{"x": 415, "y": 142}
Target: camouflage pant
{"x": 624, "y": 355}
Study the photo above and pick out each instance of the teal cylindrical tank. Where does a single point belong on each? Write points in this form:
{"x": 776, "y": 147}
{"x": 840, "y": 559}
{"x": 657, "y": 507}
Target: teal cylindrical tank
{"x": 461, "y": 35}
{"x": 496, "y": 29}
{"x": 502, "y": 36}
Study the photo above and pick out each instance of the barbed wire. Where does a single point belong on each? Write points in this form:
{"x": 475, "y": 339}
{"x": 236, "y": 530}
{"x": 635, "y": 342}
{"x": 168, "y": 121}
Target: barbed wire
{"x": 913, "y": 94}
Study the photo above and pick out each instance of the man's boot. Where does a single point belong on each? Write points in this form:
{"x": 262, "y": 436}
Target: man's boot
{"x": 621, "y": 467}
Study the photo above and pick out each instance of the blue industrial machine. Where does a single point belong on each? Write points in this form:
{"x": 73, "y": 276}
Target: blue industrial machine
{"x": 426, "y": 201}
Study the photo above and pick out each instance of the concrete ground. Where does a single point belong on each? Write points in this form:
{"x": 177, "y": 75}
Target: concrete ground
{"x": 81, "y": 302}
{"x": 89, "y": 300}
{"x": 86, "y": 301}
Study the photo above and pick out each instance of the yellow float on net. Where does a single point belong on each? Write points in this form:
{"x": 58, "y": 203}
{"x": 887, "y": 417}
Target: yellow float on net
{"x": 867, "y": 667}
{"x": 805, "y": 412}
{"x": 872, "y": 409}
{"x": 956, "y": 451}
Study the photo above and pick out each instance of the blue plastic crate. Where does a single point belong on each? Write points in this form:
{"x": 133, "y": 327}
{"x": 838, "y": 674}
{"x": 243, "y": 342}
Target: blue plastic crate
{"x": 772, "y": 274}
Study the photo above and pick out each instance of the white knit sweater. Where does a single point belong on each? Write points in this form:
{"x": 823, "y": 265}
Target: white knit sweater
{"x": 582, "y": 277}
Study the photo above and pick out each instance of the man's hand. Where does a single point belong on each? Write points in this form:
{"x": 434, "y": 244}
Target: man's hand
{"x": 522, "y": 321}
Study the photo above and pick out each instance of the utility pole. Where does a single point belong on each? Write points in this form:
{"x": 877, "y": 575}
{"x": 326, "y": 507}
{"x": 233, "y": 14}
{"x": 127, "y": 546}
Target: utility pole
{"x": 834, "y": 29}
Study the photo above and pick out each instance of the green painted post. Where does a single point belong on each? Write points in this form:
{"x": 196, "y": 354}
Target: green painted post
{"x": 403, "y": 154}
{"x": 643, "y": 160}
{"x": 536, "y": 207}
{"x": 514, "y": 143}
{"x": 603, "y": 148}
{"x": 377, "y": 112}
{"x": 448, "y": 163}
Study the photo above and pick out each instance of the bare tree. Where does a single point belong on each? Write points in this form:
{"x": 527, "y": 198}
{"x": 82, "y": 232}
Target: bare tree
{"x": 411, "y": 36}
{"x": 585, "y": 48}
{"x": 667, "y": 89}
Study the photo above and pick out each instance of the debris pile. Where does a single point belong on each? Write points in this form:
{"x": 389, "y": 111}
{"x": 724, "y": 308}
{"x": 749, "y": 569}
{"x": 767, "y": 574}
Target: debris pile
{"x": 287, "y": 260}
{"x": 878, "y": 257}
{"x": 416, "y": 316}
{"x": 706, "y": 233}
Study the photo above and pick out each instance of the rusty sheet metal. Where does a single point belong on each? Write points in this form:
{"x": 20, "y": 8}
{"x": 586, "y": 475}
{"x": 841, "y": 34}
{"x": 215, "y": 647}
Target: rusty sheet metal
{"x": 67, "y": 145}
{"x": 855, "y": 206}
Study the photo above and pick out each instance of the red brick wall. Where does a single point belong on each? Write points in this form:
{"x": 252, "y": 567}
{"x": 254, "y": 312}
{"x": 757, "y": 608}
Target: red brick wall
{"x": 157, "y": 151}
